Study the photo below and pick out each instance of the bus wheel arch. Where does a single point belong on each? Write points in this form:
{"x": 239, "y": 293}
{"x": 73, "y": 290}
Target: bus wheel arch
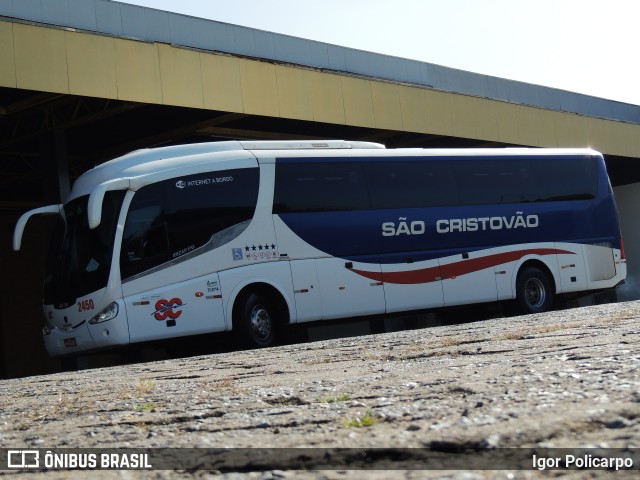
{"x": 535, "y": 287}
{"x": 259, "y": 314}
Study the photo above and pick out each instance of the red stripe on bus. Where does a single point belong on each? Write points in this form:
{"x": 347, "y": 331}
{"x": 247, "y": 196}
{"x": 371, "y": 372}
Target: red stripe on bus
{"x": 452, "y": 270}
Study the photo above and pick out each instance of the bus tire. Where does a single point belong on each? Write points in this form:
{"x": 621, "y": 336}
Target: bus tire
{"x": 255, "y": 321}
{"x": 534, "y": 290}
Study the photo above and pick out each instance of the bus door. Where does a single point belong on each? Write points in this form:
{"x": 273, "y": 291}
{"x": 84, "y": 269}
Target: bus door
{"x": 350, "y": 288}
{"x": 412, "y": 285}
{"x": 306, "y": 290}
{"x": 188, "y": 308}
{"x": 468, "y": 277}
{"x": 327, "y": 288}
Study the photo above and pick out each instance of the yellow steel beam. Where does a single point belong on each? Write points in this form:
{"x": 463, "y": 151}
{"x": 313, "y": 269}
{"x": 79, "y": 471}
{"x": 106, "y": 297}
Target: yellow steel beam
{"x": 137, "y": 71}
{"x": 7, "y": 56}
{"x": 92, "y": 65}
{"x": 64, "y": 61}
{"x": 327, "y": 100}
{"x": 222, "y": 88}
{"x": 40, "y": 58}
{"x": 180, "y": 77}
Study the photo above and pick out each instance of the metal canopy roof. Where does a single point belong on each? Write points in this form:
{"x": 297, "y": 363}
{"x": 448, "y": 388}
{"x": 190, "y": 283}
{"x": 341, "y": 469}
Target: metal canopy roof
{"x": 61, "y": 112}
{"x": 147, "y": 24}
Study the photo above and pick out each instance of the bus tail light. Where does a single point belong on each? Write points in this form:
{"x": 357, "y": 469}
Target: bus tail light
{"x": 105, "y": 315}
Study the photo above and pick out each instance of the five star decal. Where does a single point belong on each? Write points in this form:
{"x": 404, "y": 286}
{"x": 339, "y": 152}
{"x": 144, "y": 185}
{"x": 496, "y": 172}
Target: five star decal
{"x": 255, "y": 252}
{"x": 259, "y": 247}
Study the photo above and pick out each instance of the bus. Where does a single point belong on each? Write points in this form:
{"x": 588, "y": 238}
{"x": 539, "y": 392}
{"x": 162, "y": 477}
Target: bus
{"x": 253, "y": 236}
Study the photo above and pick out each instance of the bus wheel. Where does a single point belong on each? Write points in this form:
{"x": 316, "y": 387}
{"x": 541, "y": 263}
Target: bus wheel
{"x": 534, "y": 291}
{"x": 256, "y": 322}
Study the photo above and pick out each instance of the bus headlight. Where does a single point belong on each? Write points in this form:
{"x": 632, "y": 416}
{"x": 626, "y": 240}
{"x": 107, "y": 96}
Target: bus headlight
{"x": 105, "y": 315}
{"x": 46, "y": 330}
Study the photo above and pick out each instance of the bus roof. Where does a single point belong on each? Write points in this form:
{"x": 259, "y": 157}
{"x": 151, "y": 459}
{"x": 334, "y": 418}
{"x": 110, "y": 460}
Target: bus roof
{"x": 180, "y": 157}
{"x": 118, "y": 167}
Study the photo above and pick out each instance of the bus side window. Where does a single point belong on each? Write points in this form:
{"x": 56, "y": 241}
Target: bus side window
{"x": 156, "y": 242}
{"x": 167, "y": 221}
{"x": 197, "y": 213}
{"x": 145, "y": 241}
{"x": 495, "y": 181}
{"x": 411, "y": 184}
{"x": 320, "y": 187}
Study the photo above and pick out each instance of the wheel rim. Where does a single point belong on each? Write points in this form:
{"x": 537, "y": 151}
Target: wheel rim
{"x": 260, "y": 324}
{"x": 535, "y": 293}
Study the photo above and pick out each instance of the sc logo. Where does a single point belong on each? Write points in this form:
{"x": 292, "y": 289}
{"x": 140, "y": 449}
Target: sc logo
{"x": 168, "y": 308}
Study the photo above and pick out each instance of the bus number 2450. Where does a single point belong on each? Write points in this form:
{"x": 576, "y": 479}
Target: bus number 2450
{"x": 85, "y": 305}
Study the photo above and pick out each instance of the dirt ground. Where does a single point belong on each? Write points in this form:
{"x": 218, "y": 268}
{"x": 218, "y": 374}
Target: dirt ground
{"x": 423, "y": 403}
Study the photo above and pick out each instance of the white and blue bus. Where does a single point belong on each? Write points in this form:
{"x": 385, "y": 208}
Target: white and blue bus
{"x": 252, "y": 236}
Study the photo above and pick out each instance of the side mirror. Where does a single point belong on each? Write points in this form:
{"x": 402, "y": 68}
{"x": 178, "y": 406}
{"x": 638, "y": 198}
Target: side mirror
{"x": 22, "y": 221}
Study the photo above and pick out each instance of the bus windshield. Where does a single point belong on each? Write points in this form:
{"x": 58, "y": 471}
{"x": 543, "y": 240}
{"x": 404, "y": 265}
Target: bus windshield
{"x": 80, "y": 258}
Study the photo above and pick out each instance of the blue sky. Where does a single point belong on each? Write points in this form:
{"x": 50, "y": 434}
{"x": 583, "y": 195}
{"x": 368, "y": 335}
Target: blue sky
{"x": 585, "y": 46}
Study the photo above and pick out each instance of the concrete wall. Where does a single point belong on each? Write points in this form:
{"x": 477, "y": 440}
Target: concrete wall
{"x": 628, "y": 200}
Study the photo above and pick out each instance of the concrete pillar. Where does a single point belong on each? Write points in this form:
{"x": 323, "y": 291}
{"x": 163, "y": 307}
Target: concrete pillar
{"x": 628, "y": 200}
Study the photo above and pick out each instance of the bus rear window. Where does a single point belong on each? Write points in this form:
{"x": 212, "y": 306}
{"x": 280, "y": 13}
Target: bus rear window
{"x": 566, "y": 179}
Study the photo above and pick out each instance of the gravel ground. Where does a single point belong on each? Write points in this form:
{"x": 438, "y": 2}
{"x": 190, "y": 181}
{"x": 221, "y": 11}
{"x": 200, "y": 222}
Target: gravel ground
{"x": 565, "y": 379}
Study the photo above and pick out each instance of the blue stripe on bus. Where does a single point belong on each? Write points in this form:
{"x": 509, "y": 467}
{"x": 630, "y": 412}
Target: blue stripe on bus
{"x": 357, "y": 235}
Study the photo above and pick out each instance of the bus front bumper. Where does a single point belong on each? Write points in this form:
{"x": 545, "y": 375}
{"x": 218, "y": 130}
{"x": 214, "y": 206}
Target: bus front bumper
{"x": 86, "y": 337}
